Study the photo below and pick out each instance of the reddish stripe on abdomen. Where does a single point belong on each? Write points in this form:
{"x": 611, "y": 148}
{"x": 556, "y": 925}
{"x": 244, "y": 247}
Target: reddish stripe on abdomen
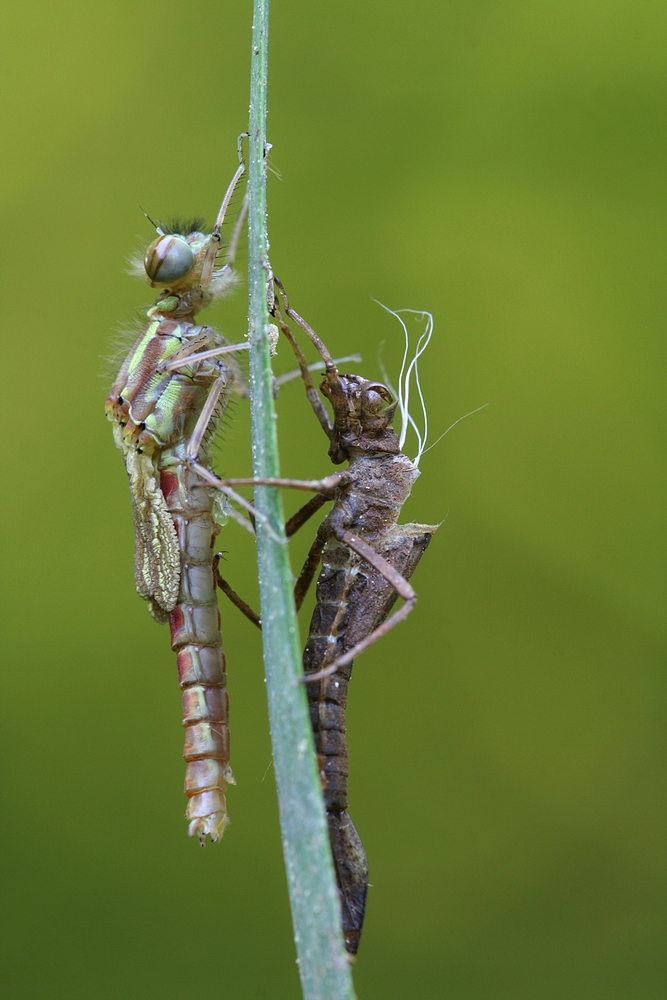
{"x": 169, "y": 486}
{"x": 176, "y": 622}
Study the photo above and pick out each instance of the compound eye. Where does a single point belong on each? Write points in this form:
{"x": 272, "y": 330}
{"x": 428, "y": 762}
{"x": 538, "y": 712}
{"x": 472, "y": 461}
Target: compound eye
{"x": 168, "y": 258}
{"x": 376, "y": 399}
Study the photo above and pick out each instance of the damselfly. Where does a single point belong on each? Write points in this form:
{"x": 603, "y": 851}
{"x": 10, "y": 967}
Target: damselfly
{"x": 165, "y": 404}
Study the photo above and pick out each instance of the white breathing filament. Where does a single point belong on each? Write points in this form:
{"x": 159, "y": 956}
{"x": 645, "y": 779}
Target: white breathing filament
{"x": 437, "y": 440}
{"x": 408, "y": 369}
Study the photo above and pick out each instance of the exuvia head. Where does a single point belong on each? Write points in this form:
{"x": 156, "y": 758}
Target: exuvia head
{"x": 356, "y": 400}
{"x": 363, "y": 413}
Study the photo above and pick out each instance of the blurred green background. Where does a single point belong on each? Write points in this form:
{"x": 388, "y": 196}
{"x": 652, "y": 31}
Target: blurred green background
{"x": 503, "y": 165}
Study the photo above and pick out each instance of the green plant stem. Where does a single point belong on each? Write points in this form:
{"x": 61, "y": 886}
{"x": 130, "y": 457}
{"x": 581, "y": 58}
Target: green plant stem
{"x": 323, "y": 965}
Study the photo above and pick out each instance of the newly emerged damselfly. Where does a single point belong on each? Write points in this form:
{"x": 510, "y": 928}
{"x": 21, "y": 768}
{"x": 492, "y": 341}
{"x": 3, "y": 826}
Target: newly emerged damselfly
{"x": 165, "y": 405}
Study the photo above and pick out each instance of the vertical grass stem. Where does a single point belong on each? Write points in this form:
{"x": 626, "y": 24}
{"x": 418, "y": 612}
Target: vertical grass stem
{"x": 323, "y": 965}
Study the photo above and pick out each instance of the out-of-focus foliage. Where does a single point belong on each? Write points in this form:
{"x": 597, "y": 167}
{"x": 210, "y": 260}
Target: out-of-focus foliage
{"x": 503, "y": 165}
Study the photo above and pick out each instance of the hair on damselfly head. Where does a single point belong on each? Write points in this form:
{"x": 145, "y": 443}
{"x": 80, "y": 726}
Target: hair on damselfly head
{"x": 185, "y": 226}
{"x": 410, "y": 369}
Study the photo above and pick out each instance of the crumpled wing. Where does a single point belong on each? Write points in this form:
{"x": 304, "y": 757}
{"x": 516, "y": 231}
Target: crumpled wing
{"x": 157, "y": 563}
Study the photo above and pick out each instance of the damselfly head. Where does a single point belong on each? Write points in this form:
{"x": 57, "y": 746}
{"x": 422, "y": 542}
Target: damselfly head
{"x": 168, "y": 259}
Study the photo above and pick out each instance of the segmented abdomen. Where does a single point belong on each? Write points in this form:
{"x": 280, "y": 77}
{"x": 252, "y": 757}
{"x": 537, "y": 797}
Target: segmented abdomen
{"x": 352, "y": 600}
{"x": 327, "y": 700}
{"x": 197, "y": 641}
